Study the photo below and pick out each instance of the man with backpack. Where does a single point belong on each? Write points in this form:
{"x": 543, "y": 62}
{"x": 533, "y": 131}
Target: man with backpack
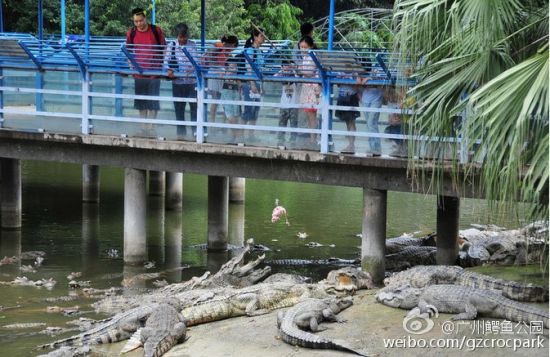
{"x": 147, "y": 44}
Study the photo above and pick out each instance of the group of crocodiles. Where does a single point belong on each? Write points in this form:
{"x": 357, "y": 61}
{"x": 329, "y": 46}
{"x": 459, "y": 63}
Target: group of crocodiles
{"x": 159, "y": 320}
{"x": 479, "y": 245}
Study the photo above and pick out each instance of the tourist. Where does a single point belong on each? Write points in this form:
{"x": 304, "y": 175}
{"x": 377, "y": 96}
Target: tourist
{"x": 252, "y": 91}
{"x": 289, "y": 96}
{"x": 310, "y": 92}
{"x": 231, "y": 90}
{"x": 183, "y": 86}
{"x": 146, "y": 43}
{"x": 348, "y": 97}
{"x": 372, "y": 97}
{"x": 216, "y": 59}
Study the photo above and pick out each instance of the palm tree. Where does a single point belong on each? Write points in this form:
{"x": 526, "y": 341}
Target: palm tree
{"x": 487, "y": 59}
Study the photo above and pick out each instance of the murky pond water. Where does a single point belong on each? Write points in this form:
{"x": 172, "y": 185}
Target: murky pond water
{"x": 76, "y": 237}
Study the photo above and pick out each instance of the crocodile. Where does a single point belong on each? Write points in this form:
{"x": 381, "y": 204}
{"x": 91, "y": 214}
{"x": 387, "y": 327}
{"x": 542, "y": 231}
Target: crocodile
{"x": 329, "y": 261}
{"x": 394, "y": 245}
{"x": 422, "y": 276}
{"x": 164, "y": 328}
{"x": 69, "y": 352}
{"x": 251, "y": 301}
{"x": 464, "y": 301}
{"x": 118, "y": 328}
{"x": 410, "y": 256}
{"x": 307, "y": 315}
{"x": 349, "y": 278}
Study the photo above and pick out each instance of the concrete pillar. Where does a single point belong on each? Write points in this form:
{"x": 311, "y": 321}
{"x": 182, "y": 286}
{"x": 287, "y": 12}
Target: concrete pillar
{"x": 236, "y": 224}
{"x": 135, "y": 247}
{"x": 10, "y": 246}
{"x": 448, "y": 213}
{"x": 373, "y": 245}
{"x": 157, "y": 184}
{"x": 155, "y": 229}
{"x": 237, "y": 189}
{"x": 10, "y": 193}
{"x": 215, "y": 260}
{"x": 218, "y": 195}
{"x": 90, "y": 183}
{"x": 90, "y": 236}
{"x": 174, "y": 191}
{"x": 173, "y": 236}
{"x": 132, "y": 284}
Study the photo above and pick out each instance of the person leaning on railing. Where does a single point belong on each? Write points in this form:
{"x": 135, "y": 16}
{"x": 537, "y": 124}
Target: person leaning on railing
{"x": 147, "y": 43}
{"x": 252, "y": 91}
{"x": 216, "y": 58}
{"x": 184, "y": 86}
{"x": 310, "y": 92}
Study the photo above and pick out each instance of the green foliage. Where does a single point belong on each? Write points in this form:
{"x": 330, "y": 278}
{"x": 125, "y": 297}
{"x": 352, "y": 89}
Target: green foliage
{"x": 481, "y": 57}
{"x": 279, "y": 19}
{"x": 222, "y": 17}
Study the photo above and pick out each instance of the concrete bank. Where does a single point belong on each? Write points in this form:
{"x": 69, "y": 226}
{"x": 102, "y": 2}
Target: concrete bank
{"x": 369, "y": 323}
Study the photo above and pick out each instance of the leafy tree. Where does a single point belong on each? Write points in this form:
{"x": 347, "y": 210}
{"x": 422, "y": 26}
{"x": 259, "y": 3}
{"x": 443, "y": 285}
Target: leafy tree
{"x": 222, "y": 17}
{"x": 279, "y": 19}
{"x": 490, "y": 59}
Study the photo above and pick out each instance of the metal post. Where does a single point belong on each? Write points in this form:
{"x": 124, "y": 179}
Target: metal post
{"x": 87, "y": 25}
{"x": 40, "y": 21}
{"x": 331, "y": 25}
{"x": 118, "y": 101}
{"x": 85, "y": 123}
{"x": 203, "y": 23}
{"x": 39, "y": 79}
{"x": 1, "y": 16}
{"x": 1, "y": 96}
{"x": 373, "y": 245}
{"x": 63, "y": 40}
{"x": 154, "y": 13}
{"x": 200, "y": 110}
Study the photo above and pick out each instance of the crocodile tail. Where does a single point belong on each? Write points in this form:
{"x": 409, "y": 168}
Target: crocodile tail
{"x": 344, "y": 346}
{"x": 510, "y": 289}
{"x": 516, "y": 311}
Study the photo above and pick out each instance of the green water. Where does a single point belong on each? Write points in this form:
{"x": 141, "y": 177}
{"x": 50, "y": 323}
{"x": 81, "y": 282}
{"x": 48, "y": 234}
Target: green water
{"x": 76, "y": 236}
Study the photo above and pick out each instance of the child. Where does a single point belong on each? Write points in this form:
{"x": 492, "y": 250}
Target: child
{"x": 289, "y": 96}
{"x": 231, "y": 90}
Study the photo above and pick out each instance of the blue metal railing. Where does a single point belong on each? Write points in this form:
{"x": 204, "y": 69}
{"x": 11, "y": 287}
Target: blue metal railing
{"x": 105, "y": 63}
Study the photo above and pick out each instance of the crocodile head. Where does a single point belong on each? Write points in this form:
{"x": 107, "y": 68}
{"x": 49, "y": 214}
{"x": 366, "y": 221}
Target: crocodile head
{"x": 405, "y": 297}
{"x": 349, "y": 278}
{"x": 342, "y": 303}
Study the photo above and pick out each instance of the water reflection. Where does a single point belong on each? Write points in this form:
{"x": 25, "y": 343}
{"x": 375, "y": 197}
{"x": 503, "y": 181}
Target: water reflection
{"x": 155, "y": 229}
{"x": 133, "y": 279}
{"x": 10, "y": 246}
{"x": 215, "y": 259}
{"x": 90, "y": 236}
{"x": 173, "y": 234}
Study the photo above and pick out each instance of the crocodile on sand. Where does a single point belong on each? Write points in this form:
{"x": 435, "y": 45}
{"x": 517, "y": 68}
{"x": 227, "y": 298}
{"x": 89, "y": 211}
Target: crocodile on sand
{"x": 464, "y": 301}
{"x": 422, "y": 276}
{"x": 307, "y": 315}
{"x": 164, "y": 328}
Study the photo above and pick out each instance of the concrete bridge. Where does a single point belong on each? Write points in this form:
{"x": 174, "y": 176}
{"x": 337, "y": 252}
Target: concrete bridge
{"x": 226, "y": 167}
{"x": 69, "y": 102}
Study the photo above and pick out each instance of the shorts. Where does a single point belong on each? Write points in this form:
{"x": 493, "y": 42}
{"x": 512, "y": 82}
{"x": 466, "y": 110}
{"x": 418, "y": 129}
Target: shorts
{"x": 310, "y": 110}
{"x": 231, "y": 110}
{"x": 147, "y": 86}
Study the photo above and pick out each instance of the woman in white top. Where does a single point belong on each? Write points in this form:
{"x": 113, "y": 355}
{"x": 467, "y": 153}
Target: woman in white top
{"x": 310, "y": 91}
